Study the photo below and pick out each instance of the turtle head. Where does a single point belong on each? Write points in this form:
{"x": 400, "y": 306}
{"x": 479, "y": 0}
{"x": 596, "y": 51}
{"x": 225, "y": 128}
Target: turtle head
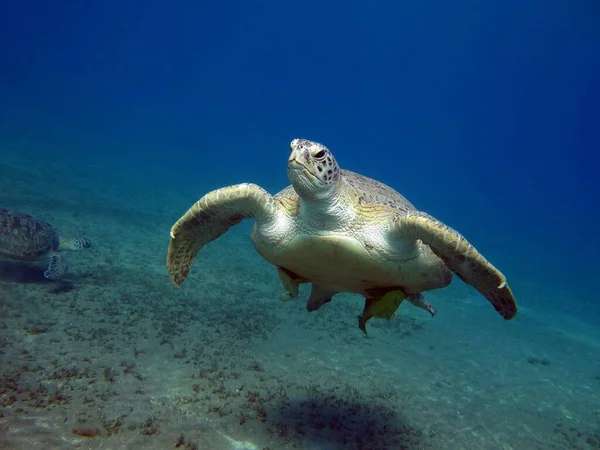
{"x": 312, "y": 170}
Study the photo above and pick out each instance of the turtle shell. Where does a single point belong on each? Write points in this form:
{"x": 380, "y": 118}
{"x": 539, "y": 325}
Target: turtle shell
{"x": 24, "y": 237}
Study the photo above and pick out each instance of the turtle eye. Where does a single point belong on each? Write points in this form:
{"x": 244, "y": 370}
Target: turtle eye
{"x": 320, "y": 154}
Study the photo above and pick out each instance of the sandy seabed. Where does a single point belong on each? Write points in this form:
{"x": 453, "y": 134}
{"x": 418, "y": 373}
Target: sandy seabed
{"x": 115, "y": 357}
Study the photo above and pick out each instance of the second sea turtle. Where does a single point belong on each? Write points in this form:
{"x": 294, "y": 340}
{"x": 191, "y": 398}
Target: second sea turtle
{"x": 27, "y": 238}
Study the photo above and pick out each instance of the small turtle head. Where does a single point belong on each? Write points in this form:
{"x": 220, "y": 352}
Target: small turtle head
{"x": 312, "y": 169}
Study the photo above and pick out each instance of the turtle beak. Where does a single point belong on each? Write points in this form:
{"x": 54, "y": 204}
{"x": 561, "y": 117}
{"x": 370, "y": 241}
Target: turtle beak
{"x": 294, "y": 152}
{"x": 295, "y": 165}
{"x": 294, "y": 159}
{"x": 300, "y": 159}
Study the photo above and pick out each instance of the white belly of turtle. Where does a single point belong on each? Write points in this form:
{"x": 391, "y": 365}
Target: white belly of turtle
{"x": 343, "y": 264}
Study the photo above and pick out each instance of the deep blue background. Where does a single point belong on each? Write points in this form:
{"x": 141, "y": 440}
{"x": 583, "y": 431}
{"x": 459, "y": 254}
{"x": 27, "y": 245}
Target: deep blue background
{"x": 485, "y": 114}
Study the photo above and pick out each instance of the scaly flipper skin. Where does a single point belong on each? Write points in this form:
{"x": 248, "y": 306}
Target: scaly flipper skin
{"x": 318, "y": 297}
{"x": 57, "y": 268}
{"x": 209, "y": 218}
{"x": 460, "y": 256}
{"x": 290, "y": 282}
{"x": 420, "y": 302}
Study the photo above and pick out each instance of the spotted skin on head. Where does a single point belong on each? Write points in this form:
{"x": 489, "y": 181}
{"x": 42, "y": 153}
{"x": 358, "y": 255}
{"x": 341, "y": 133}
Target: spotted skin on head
{"x": 317, "y": 158}
{"x": 73, "y": 243}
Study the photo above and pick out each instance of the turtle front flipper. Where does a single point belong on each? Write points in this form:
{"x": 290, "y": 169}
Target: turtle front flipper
{"x": 57, "y": 268}
{"x": 209, "y": 218}
{"x": 383, "y": 307}
{"x": 460, "y": 256}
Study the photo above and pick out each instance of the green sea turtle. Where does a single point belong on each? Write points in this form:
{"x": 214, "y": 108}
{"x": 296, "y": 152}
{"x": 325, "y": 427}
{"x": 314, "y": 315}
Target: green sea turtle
{"x": 342, "y": 232}
{"x": 26, "y": 238}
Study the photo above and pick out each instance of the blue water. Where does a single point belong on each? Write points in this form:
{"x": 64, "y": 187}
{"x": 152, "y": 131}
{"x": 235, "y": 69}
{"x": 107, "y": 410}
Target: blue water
{"x": 484, "y": 114}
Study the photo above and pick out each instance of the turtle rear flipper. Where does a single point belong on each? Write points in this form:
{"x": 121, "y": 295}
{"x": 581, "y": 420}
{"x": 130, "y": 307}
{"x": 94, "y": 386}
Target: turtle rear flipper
{"x": 319, "y": 295}
{"x": 290, "y": 282}
{"x": 420, "y": 302}
{"x": 460, "y": 256}
{"x": 57, "y": 268}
